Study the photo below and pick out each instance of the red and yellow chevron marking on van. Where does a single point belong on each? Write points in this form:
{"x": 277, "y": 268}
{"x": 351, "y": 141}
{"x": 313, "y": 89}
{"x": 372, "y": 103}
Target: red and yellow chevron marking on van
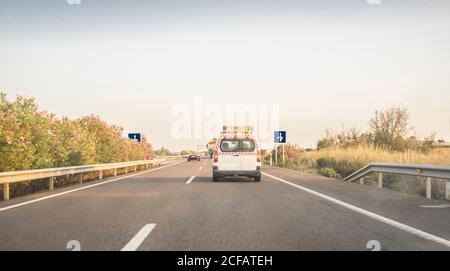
{"x": 238, "y": 153}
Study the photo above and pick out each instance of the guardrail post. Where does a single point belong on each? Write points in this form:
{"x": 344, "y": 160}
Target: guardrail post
{"x": 380, "y": 179}
{"x": 115, "y": 172}
{"x": 51, "y": 183}
{"x": 81, "y": 178}
{"x": 100, "y": 175}
{"x": 135, "y": 168}
{"x": 6, "y": 191}
{"x": 428, "y": 192}
{"x": 126, "y": 170}
{"x": 361, "y": 180}
{"x": 447, "y": 190}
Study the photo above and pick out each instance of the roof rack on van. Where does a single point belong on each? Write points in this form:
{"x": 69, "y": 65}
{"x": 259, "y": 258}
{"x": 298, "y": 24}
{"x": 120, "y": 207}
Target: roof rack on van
{"x": 238, "y": 129}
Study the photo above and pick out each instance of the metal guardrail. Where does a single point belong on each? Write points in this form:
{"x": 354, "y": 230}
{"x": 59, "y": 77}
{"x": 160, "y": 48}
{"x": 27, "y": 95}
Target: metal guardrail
{"x": 7, "y": 178}
{"x": 171, "y": 157}
{"x": 420, "y": 170}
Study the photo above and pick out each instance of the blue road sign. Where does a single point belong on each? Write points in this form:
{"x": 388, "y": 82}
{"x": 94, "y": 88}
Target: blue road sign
{"x": 279, "y": 137}
{"x": 136, "y": 137}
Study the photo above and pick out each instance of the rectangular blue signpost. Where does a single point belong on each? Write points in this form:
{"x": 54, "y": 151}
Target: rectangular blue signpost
{"x": 279, "y": 137}
{"x": 135, "y": 136}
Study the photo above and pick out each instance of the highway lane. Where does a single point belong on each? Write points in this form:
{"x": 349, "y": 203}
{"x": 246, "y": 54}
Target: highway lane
{"x": 103, "y": 217}
{"x": 239, "y": 214}
{"x": 233, "y": 214}
{"x": 403, "y": 207}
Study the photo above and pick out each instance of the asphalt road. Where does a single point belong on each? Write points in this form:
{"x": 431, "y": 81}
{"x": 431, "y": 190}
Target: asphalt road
{"x": 169, "y": 209}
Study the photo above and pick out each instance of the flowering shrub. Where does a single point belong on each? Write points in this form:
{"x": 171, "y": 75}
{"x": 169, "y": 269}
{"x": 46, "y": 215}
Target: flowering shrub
{"x": 32, "y": 139}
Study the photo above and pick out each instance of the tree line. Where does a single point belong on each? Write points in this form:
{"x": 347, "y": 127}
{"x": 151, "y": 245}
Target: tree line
{"x": 31, "y": 138}
{"x": 387, "y": 130}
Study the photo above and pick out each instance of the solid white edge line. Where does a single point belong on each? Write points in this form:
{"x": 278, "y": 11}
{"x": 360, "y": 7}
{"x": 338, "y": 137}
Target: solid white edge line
{"x": 401, "y": 226}
{"x": 190, "y": 179}
{"x": 84, "y": 187}
{"x": 440, "y": 206}
{"x": 137, "y": 240}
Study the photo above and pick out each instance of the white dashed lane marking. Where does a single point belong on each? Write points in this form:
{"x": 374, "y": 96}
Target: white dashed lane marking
{"x": 190, "y": 180}
{"x": 137, "y": 240}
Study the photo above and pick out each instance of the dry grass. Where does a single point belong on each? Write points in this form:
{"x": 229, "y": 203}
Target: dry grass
{"x": 340, "y": 162}
{"x": 366, "y": 154}
{"x": 344, "y": 161}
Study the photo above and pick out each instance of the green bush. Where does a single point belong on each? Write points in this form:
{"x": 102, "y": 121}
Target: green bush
{"x": 329, "y": 172}
{"x": 342, "y": 167}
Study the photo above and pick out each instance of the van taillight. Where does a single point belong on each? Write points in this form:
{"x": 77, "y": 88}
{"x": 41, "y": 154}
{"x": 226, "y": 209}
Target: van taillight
{"x": 258, "y": 156}
{"x": 216, "y": 156}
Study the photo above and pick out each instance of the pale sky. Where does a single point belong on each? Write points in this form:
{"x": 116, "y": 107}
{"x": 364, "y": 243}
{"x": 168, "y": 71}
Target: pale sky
{"x": 325, "y": 63}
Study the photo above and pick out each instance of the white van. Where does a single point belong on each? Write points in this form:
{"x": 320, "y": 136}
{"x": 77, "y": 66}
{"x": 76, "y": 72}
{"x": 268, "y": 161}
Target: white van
{"x": 237, "y": 153}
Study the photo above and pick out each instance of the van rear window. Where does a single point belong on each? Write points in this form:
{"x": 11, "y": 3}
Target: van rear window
{"x": 237, "y": 145}
{"x": 248, "y": 145}
{"x": 229, "y": 145}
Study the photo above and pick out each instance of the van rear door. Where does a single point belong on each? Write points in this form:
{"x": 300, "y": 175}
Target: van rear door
{"x": 229, "y": 158}
{"x": 248, "y": 154}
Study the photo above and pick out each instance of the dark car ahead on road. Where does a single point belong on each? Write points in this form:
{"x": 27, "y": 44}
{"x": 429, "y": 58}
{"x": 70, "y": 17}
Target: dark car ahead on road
{"x": 193, "y": 157}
